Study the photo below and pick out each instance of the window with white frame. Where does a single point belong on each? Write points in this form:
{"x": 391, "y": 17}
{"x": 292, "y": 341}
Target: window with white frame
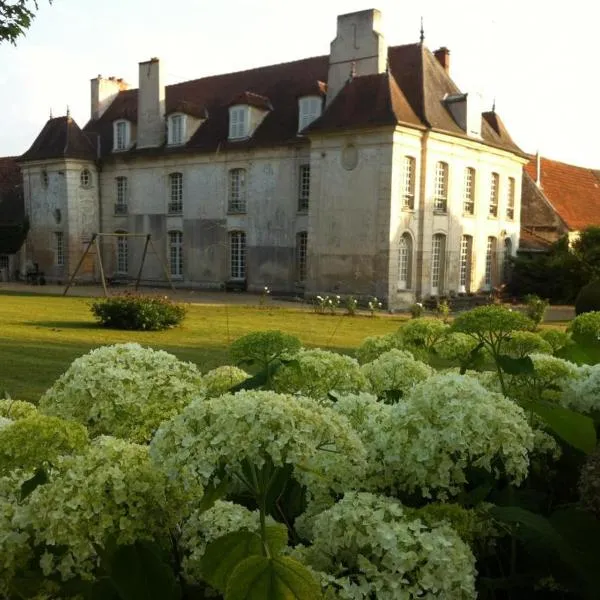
{"x": 506, "y": 259}
{"x": 438, "y": 260}
{"x": 4, "y": 261}
{"x": 466, "y": 251}
{"x": 85, "y": 178}
{"x": 176, "y": 129}
{"x": 175, "y": 193}
{"x": 309, "y": 109}
{"x": 122, "y": 191}
{"x": 176, "y": 253}
{"x": 122, "y": 253}
{"x": 121, "y": 135}
{"x": 301, "y": 249}
{"x": 490, "y": 259}
{"x": 469, "y": 192}
{"x": 303, "y": 188}
{"x": 239, "y": 122}
{"x": 404, "y": 262}
{"x": 440, "y": 193}
{"x": 510, "y": 199}
{"x": 494, "y": 183}
{"x": 408, "y": 182}
{"x": 59, "y": 249}
{"x": 237, "y": 255}
{"x": 237, "y": 191}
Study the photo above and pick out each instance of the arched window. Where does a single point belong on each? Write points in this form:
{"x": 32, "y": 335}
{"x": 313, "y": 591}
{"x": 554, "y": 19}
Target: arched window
{"x": 466, "y": 255}
{"x": 176, "y": 253}
{"x": 490, "y": 260}
{"x": 122, "y": 253}
{"x": 438, "y": 263}
{"x": 175, "y": 193}
{"x": 506, "y": 260}
{"x": 404, "y": 262}
{"x": 237, "y": 255}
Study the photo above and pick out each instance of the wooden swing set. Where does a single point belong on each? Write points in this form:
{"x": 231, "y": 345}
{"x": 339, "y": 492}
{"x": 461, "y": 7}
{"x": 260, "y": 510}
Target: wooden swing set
{"x": 94, "y": 242}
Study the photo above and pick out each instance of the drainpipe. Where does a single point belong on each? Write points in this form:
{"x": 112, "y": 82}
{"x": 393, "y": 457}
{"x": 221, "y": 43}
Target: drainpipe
{"x": 421, "y": 213}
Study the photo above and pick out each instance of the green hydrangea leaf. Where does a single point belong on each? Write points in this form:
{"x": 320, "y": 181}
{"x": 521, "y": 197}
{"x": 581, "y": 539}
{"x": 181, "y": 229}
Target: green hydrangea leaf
{"x": 279, "y": 578}
{"x": 224, "y": 554}
{"x": 574, "y": 428}
{"x": 276, "y": 538}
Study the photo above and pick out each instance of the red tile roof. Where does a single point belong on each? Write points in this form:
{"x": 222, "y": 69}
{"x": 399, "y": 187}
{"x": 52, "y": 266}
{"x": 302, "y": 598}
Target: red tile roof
{"x": 413, "y": 93}
{"x": 573, "y": 192}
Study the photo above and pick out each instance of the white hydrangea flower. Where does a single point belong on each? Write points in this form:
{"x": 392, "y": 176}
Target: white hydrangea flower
{"x": 112, "y": 491}
{"x": 123, "y": 390}
{"x": 317, "y": 372}
{"x": 582, "y": 393}
{"x": 367, "y": 546}
{"x": 5, "y": 422}
{"x": 16, "y": 409}
{"x": 450, "y": 423}
{"x": 200, "y": 529}
{"x": 396, "y": 371}
{"x": 255, "y": 427}
{"x": 220, "y": 380}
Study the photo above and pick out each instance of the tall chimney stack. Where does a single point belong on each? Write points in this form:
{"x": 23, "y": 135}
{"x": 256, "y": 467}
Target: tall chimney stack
{"x": 103, "y": 92}
{"x": 151, "y": 105}
{"x": 443, "y": 57}
{"x": 538, "y": 169}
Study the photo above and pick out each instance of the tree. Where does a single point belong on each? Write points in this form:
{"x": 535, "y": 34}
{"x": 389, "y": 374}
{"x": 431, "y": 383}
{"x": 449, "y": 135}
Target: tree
{"x": 15, "y": 18}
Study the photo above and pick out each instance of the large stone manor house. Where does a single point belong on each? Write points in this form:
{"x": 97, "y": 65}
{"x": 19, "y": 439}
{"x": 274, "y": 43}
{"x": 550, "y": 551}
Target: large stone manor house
{"x": 364, "y": 172}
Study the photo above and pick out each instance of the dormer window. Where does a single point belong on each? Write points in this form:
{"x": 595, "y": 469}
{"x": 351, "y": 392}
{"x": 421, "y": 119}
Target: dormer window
{"x": 177, "y": 129}
{"x": 239, "y": 121}
{"x": 121, "y": 135}
{"x": 309, "y": 109}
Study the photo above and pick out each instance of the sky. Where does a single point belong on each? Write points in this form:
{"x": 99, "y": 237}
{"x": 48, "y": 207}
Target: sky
{"x": 535, "y": 58}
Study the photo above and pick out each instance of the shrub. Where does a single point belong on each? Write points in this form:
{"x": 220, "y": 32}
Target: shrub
{"x": 420, "y": 335}
{"x": 416, "y": 310}
{"x": 581, "y": 392}
{"x": 456, "y": 347}
{"x": 123, "y": 390}
{"x": 588, "y": 299}
{"x": 535, "y": 308}
{"x": 367, "y": 546}
{"x": 316, "y": 372}
{"x": 262, "y": 348}
{"x": 138, "y": 312}
{"x": 220, "y": 380}
{"x": 443, "y": 309}
{"x": 16, "y": 409}
{"x": 585, "y": 328}
{"x": 556, "y": 338}
{"x": 394, "y": 373}
{"x": 524, "y": 343}
{"x": 589, "y": 483}
{"x": 375, "y": 345}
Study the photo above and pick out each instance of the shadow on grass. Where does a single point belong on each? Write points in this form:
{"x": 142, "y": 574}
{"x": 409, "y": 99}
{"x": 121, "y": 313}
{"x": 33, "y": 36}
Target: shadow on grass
{"x": 63, "y": 324}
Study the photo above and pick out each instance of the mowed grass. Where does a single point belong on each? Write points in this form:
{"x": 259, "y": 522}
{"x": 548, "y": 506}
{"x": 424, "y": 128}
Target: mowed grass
{"x": 41, "y": 335}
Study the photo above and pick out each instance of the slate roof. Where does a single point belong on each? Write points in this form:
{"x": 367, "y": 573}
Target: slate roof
{"x": 61, "y": 137}
{"x": 411, "y": 93}
{"x": 573, "y": 192}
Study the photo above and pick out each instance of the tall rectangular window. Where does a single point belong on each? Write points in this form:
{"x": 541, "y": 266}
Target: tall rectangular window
{"x": 440, "y": 194}
{"x": 494, "y": 183}
{"x": 408, "y": 182}
{"x": 510, "y": 199}
{"x": 59, "y": 249}
{"x": 121, "y": 135}
{"x": 303, "y": 188}
{"x": 490, "y": 259}
{"x": 404, "y": 262}
{"x": 176, "y": 193}
{"x": 469, "y": 192}
{"x": 466, "y": 251}
{"x": 238, "y": 122}
{"x": 237, "y": 191}
{"x": 309, "y": 109}
{"x": 438, "y": 259}
{"x": 301, "y": 249}
{"x": 121, "y": 204}
{"x": 237, "y": 255}
{"x": 176, "y": 129}
{"x": 122, "y": 254}
{"x": 176, "y": 253}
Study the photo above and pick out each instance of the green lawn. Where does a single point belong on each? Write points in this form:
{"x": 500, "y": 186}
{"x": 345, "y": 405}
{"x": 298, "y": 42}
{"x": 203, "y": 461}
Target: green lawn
{"x": 41, "y": 335}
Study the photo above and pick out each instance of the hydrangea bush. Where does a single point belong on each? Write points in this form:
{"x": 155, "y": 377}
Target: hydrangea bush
{"x": 585, "y": 328}
{"x": 16, "y": 409}
{"x": 581, "y": 388}
{"x": 374, "y": 346}
{"x": 455, "y": 347}
{"x": 524, "y": 343}
{"x": 315, "y": 373}
{"x": 220, "y": 380}
{"x": 366, "y": 547}
{"x": 449, "y": 424}
{"x": 123, "y": 390}
{"x": 420, "y": 335}
{"x": 395, "y": 371}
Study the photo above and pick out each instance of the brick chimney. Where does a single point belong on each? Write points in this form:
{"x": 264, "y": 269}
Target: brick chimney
{"x": 151, "y": 105}
{"x": 103, "y": 91}
{"x": 443, "y": 57}
{"x": 358, "y": 49}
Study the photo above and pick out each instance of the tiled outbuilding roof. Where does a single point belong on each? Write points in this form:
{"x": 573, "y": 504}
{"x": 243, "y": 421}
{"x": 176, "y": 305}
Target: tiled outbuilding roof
{"x": 61, "y": 138}
{"x": 573, "y": 192}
